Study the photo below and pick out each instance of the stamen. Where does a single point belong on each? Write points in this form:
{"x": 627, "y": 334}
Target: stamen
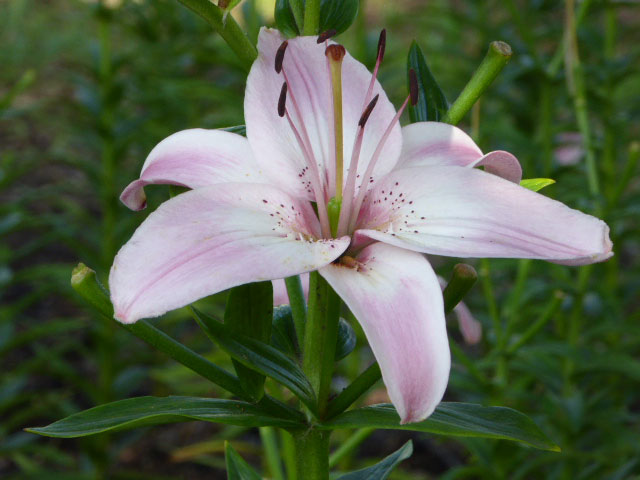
{"x": 280, "y": 55}
{"x": 323, "y": 37}
{"x": 350, "y": 188}
{"x": 374, "y": 158}
{"x": 382, "y": 45}
{"x": 413, "y": 87}
{"x": 335, "y": 54}
{"x": 367, "y": 111}
{"x": 282, "y": 101}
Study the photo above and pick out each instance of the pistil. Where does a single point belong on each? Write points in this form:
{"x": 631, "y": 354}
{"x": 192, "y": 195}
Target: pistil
{"x": 335, "y": 53}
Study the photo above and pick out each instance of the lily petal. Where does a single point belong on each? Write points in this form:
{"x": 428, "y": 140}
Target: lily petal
{"x": 429, "y": 144}
{"x": 396, "y": 297}
{"x": 195, "y": 158}
{"x": 213, "y": 238}
{"x": 272, "y": 139}
{"x": 464, "y": 212}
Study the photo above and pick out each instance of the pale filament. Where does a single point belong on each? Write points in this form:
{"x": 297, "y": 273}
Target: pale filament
{"x": 374, "y": 158}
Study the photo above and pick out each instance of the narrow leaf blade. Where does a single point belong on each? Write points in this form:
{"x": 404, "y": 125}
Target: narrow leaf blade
{"x": 337, "y": 14}
{"x": 260, "y": 357}
{"x": 285, "y": 21}
{"x": 237, "y": 468}
{"x": 455, "y": 419}
{"x": 146, "y": 411}
{"x": 382, "y": 469}
{"x": 432, "y": 104}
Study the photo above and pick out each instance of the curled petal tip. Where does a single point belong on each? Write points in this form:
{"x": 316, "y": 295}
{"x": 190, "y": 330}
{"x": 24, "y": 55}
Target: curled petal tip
{"x": 133, "y": 196}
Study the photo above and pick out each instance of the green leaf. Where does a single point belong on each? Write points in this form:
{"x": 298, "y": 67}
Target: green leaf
{"x": 455, "y": 419}
{"x": 146, "y": 411}
{"x": 382, "y": 469}
{"x": 337, "y": 14}
{"x": 346, "y": 339}
{"x": 239, "y": 129}
{"x": 334, "y": 14}
{"x": 260, "y": 357}
{"x": 536, "y": 184}
{"x": 432, "y": 104}
{"x": 237, "y": 468}
{"x": 283, "y": 330}
{"x": 250, "y": 311}
{"x": 285, "y": 21}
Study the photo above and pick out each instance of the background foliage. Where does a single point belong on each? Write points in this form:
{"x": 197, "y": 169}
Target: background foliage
{"x": 86, "y": 91}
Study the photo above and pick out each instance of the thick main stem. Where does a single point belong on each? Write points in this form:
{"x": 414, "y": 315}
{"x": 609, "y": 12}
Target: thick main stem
{"x": 312, "y": 454}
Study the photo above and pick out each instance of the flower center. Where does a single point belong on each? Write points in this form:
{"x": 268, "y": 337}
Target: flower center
{"x": 338, "y": 215}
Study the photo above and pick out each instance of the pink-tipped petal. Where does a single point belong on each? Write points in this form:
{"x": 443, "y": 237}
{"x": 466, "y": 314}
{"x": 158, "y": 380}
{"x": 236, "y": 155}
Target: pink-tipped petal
{"x": 502, "y": 164}
{"x": 465, "y": 212}
{"x": 430, "y": 144}
{"x": 280, "y": 295}
{"x": 433, "y": 143}
{"x": 272, "y": 139}
{"x": 195, "y": 158}
{"x": 395, "y": 296}
{"x": 213, "y": 238}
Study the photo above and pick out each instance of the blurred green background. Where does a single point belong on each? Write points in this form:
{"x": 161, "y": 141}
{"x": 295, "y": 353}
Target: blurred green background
{"x": 87, "y": 89}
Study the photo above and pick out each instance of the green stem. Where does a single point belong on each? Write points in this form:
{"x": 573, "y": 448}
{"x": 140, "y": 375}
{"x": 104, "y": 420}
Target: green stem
{"x": 228, "y": 29}
{"x": 577, "y": 89}
{"x": 350, "y": 445}
{"x": 312, "y": 454}
{"x": 320, "y": 337}
{"x": 354, "y": 391}
{"x": 311, "y": 17}
{"x": 289, "y": 454}
{"x": 494, "y": 61}
{"x": 270, "y": 442}
{"x": 298, "y": 306}
{"x": 463, "y": 278}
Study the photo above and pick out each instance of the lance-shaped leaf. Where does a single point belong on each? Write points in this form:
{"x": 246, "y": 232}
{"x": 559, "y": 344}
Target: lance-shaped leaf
{"x": 337, "y": 15}
{"x": 237, "y": 468}
{"x": 249, "y": 311}
{"x": 260, "y": 357}
{"x": 283, "y": 331}
{"x": 432, "y": 104}
{"x": 382, "y": 469}
{"x": 146, "y": 411}
{"x": 536, "y": 184}
{"x": 285, "y": 20}
{"x": 455, "y": 419}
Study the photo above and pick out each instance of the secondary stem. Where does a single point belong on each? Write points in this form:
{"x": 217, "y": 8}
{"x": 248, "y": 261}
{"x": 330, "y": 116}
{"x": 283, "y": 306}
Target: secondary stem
{"x": 228, "y": 29}
{"x": 494, "y": 61}
{"x": 298, "y": 306}
{"x": 311, "y": 17}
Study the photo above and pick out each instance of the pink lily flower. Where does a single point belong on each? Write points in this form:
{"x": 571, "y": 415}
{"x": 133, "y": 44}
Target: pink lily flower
{"x": 332, "y": 132}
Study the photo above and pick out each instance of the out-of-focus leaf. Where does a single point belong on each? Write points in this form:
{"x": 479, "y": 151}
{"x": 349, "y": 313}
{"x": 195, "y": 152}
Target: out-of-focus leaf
{"x": 237, "y": 468}
{"x": 536, "y": 184}
{"x": 285, "y": 21}
{"x": 239, "y": 129}
{"x": 146, "y": 411}
{"x": 382, "y": 469}
{"x": 283, "y": 330}
{"x": 451, "y": 418}
{"x": 346, "y": 339}
{"x": 249, "y": 311}
{"x": 432, "y": 104}
{"x": 335, "y": 15}
{"x": 260, "y": 357}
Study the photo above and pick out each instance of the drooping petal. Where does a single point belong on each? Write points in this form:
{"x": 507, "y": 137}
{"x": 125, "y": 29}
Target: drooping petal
{"x": 195, "y": 158}
{"x": 464, "y": 212}
{"x": 272, "y": 139}
{"x": 429, "y": 144}
{"x": 280, "y": 295}
{"x": 213, "y": 238}
{"x": 395, "y": 296}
